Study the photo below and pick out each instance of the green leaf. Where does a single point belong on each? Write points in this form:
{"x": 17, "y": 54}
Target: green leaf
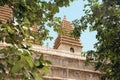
{"x": 19, "y": 65}
{"x": 46, "y": 69}
{"x": 26, "y": 21}
{"x": 29, "y": 60}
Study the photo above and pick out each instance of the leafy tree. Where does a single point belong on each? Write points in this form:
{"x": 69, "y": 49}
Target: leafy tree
{"x": 103, "y": 17}
{"x": 16, "y": 58}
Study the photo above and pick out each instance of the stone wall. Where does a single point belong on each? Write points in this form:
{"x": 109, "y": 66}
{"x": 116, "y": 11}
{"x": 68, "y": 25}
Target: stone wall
{"x": 77, "y": 49}
{"x": 68, "y": 62}
{"x": 64, "y": 68}
{"x": 67, "y": 67}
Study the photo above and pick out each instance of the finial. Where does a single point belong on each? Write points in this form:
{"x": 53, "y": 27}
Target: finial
{"x": 47, "y": 45}
{"x": 64, "y": 18}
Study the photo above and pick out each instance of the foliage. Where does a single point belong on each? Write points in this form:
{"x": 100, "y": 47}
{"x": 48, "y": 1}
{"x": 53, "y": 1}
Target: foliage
{"x": 103, "y": 17}
{"x": 16, "y": 60}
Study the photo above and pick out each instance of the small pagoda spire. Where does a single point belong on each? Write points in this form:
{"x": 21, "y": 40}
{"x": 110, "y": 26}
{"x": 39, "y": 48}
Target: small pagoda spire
{"x": 64, "y": 18}
{"x": 47, "y": 45}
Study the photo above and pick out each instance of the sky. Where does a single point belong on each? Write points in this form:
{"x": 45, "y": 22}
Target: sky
{"x": 75, "y": 11}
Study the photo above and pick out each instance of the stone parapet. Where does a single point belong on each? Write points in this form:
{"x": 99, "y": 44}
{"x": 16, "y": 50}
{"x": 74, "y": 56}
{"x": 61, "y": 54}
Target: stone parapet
{"x": 62, "y": 53}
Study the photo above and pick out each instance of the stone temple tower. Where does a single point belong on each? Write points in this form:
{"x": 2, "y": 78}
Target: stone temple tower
{"x": 65, "y": 41}
{"x": 66, "y": 58}
{"x": 5, "y": 13}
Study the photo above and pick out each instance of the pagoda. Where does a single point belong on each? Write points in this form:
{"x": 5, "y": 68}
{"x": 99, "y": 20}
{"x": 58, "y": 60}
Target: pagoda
{"x": 64, "y": 41}
{"x": 5, "y": 13}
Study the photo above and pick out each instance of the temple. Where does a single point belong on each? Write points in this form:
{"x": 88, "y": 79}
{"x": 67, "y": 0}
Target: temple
{"x": 66, "y": 58}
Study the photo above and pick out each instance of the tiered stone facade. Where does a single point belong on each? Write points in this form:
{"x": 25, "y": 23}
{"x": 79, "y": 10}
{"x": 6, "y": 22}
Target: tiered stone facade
{"x": 5, "y": 13}
{"x": 67, "y": 62}
{"x": 64, "y": 40}
{"x": 67, "y": 66}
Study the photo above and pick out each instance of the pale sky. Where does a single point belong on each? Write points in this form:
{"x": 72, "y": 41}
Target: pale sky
{"x": 75, "y": 11}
